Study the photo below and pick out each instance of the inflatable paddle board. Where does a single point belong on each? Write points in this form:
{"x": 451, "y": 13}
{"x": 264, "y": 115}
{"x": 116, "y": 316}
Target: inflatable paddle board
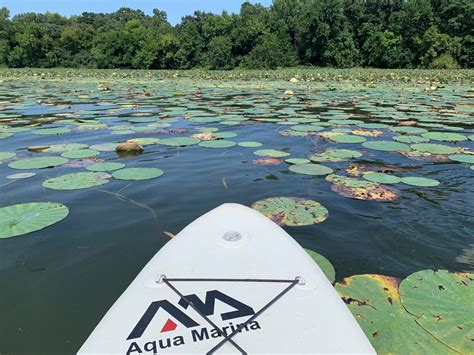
{"x": 231, "y": 282}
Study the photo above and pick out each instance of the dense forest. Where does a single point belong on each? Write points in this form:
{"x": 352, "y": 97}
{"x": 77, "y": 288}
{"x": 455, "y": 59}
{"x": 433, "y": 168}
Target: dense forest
{"x": 338, "y": 33}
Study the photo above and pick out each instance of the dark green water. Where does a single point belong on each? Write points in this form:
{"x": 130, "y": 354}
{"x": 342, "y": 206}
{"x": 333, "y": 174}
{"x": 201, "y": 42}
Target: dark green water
{"x": 57, "y": 283}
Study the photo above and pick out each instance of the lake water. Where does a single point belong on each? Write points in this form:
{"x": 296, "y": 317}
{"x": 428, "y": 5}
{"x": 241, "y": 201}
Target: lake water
{"x": 57, "y": 283}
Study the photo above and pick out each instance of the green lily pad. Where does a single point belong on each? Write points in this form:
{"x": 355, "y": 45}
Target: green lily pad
{"x": 443, "y": 304}
{"x": 225, "y": 135}
{"x": 335, "y": 155}
{"x": 461, "y": 158}
{"x": 419, "y": 181}
{"x": 434, "y": 148}
{"x": 324, "y": 264}
{"x": 137, "y": 173}
{"x": 100, "y": 167}
{"x": 20, "y": 176}
{"x": 37, "y": 163}
{"x": 250, "y": 144}
{"x": 144, "y": 141}
{"x": 375, "y": 302}
{"x": 104, "y": 147}
{"x": 382, "y": 178}
{"x": 347, "y": 138}
{"x": 445, "y": 136}
{"x": 222, "y": 143}
{"x": 6, "y": 155}
{"x": 5, "y": 135}
{"x": 25, "y": 218}
{"x": 51, "y": 131}
{"x": 297, "y": 161}
{"x": 271, "y": 153}
{"x": 311, "y": 169}
{"x": 409, "y": 130}
{"x": 291, "y": 211}
{"x": 80, "y": 154}
{"x": 59, "y": 148}
{"x": 179, "y": 141}
{"x": 77, "y": 181}
{"x": 387, "y": 146}
{"x": 410, "y": 139}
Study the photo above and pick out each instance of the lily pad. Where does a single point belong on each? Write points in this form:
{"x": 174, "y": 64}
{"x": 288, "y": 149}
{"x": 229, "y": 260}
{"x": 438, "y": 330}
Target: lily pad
{"x": 445, "y": 136}
{"x": 25, "y": 218}
{"x": 410, "y": 139}
{"x": 100, "y": 167}
{"x": 324, "y": 264}
{"x": 382, "y": 178}
{"x": 6, "y": 155}
{"x": 374, "y": 301}
{"x": 222, "y": 143}
{"x": 297, "y": 161}
{"x": 80, "y": 154}
{"x": 419, "y": 181}
{"x": 77, "y": 181}
{"x": 20, "y": 176}
{"x": 104, "y": 147}
{"x": 443, "y": 304}
{"x": 137, "y": 173}
{"x": 271, "y": 153}
{"x": 144, "y": 141}
{"x": 434, "y": 148}
{"x": 37, "y": 163}
{"x": 311, "y": 169}
{"x": 59, "y": 148}
{"x": 250, "y": 144}
{"x": 335, "y": 155}
{"x": 347, "y": 138}
{"x": 291, "y": 211}
{"x": 387, "y": 146}
{"x": 179, "y": 141}
{"x": 462, "y": 158}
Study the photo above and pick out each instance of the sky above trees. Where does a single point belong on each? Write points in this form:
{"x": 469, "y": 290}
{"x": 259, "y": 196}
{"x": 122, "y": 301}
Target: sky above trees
{"x": 174, "y": 8}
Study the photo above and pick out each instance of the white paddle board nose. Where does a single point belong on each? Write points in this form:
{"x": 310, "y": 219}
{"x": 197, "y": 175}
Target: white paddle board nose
{"x": 231, "y": 282}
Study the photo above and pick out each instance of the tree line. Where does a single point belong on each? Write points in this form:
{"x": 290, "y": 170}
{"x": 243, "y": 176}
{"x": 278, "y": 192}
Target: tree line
{"x": 339, "y": 33}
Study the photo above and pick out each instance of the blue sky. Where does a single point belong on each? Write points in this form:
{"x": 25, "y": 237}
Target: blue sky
{"x": 174, "y": 8}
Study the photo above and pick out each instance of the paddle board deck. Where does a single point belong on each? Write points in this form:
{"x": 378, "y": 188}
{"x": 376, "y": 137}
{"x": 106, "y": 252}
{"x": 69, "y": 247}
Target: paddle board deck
{"x": 231, "y": 282}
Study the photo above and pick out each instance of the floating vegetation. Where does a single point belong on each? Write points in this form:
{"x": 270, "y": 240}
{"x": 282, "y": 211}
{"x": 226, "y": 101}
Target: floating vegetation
{"x": 38, "y": 163}
{"x": 292, "y": 211}
{"x": 335, "y": 155}
{"x": 311, "y": 169}
{"x": 347, "y": 138}
{"x": 80, "y": 154}
{"x": 25, "y": 218}
{"x": 382, "y": 178}
{"x": 101, "y": 167}
{"x": 419, "y": 181}
{"x": 442, "y": 302}
{"x": 324, "y": 264}
{"x": 137, "y": 173}
{"x": 271, "y": 153}
{"x": 179, "y": 141}
{"x": 387, "y": 146}
{"x": 375, "y": 302}
{"x": 250, "y": 144}
{"x": 77, "y": 181}
{"x": 370, "y": 140}
{"x": 20, "y": 176}
{"x": 361, "y": 189}
{"x": 220, "y": 144}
